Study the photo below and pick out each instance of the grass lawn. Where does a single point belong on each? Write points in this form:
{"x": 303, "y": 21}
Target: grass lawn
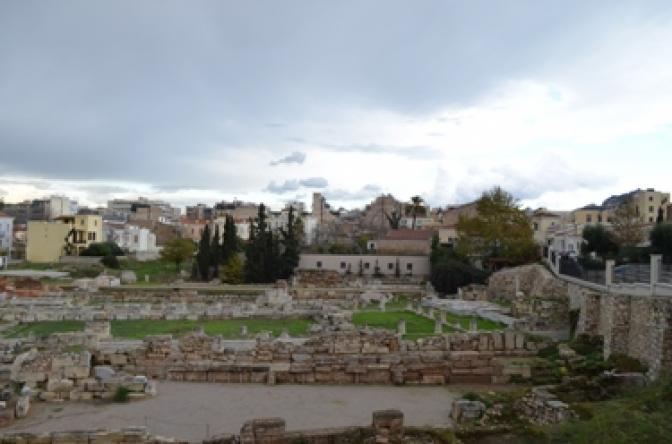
{"x": 228, "y": 328}
{"x": 416, "y": 326}
{"x": 43, "y": 328}
{"x": 158, "y": 270}
{"x": 483, "y": 324}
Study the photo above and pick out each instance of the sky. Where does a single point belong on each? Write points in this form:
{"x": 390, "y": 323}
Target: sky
{"x": 560, "y": 103}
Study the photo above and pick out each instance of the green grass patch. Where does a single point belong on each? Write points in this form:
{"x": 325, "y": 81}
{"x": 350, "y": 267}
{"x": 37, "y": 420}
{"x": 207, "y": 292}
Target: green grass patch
{"x": 416, "y": 326}
{"x": 43, "y": 328}
{"x": 158, "y": 270}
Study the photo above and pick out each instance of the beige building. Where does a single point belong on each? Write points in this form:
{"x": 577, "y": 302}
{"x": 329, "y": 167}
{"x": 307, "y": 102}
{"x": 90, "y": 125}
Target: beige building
{"x": 409, "y": 242}
{"x": 451, "y": 215}
{"x": 67, "y": 235}
{"x": 591, "y": 215}
{"x": 366, "y": 264}
{"x": 543, "y": 221}
{"x": 648, "y": 203}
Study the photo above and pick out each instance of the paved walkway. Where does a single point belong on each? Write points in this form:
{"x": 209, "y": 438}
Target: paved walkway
{"x": 192, "y": 411}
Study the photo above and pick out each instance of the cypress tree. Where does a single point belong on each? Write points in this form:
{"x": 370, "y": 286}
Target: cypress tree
{"x": 230, "y": 239}
{"x": 290, "y": 255}
{"x": 215, "y": 253}
{"x": 203, "y": 255}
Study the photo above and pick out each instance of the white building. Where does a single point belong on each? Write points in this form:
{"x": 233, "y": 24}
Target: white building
{"x": 134, "y": 239}
{"x": 242, "y": 227}
{"x": 6, "y": 236}
{"x": 565, "y": 240}
{"x": 62, "y": 206}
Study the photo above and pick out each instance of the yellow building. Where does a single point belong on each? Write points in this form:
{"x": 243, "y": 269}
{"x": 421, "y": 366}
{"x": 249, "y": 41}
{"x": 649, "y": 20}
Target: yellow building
{"x": 591, "y": 215}
{"x": 47, "y": 241}
{"x": 648, "y": 202}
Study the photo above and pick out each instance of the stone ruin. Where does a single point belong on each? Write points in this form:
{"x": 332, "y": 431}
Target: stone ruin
{"x": 387, "y": 427}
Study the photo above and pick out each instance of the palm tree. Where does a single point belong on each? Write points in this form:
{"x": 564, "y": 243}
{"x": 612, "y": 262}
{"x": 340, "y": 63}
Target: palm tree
{"x": 417, "y": 204}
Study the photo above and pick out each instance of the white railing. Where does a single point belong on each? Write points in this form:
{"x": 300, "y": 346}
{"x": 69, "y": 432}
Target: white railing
{"x": 651, "y": 288}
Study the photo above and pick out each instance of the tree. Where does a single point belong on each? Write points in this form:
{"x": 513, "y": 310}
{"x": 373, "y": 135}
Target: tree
{"x": 230, "y": 239}
{"x": 598, "y": 240}
{"x": 110, "y": 261}
{"x": 178, "y": 250}
{"x": 394, "y": 219}
{"x": 102, "y": 249}
{"x": 626, "y": 225}
{"x": 661, "y": 240}
{"x": 262, "y": 251}
{"x": 449, "y": 275}
{"x": 291, "y": 246}
{"x": 499, "y": 230}
{"x": 215, "y": 252}
{"x": 661, "y": 216}
{"x": 415, "y": 208}
{"x": 232, "y": 272}
{"x": 203, "y": 255}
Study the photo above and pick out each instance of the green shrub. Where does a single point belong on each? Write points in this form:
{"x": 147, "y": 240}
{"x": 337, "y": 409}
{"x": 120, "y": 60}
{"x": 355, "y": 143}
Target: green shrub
{"x": 587, "y": 345}
{"x": 550, "y": 352}
{"x": 583, "y": 411}
{"x": 449, "y": 275}
{"x": 121, "y": 395}
{"x": 626, "y": 364}
{"x": 102, "y": 249}
{"x": 110, "y": 261}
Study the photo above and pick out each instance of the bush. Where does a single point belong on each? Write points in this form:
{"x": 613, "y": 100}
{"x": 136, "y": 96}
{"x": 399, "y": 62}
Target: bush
{"x": 626, "y": 364}
{"x": 110, "y": 261}
{"x": 449, "y": 275}
{"x": 586, "y": 345}
{"x": 102, "y": 249}
{"x": 121, "y": 395}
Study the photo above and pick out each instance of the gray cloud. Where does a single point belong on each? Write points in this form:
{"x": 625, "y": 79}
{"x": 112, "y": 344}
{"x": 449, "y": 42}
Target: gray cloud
{"x": 163, "y": 93}
{"x": 294, "y": 185}
{"x": 365, "y": 193}
{"x": 296, "y": 157}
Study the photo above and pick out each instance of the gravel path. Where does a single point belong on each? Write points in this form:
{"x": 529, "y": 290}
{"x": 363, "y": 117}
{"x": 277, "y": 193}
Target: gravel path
{"x": 192, "y": 411}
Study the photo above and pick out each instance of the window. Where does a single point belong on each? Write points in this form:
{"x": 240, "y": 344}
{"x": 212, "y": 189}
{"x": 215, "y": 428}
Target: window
{"x": 409, "y": 266}
{"x": 650, "y": 198}
{"x": 599, "y": 218}
{"x": 366, "y": 265}
{"x": 589, "y": 218}
{"x": 536, "y": 226}
{"x": 390, "y": 266}
{"x": 319, "y": 264}
{"x": 651, "y": 209}
{"x": 342, "y": 265}
{"x": 650, "y": 219}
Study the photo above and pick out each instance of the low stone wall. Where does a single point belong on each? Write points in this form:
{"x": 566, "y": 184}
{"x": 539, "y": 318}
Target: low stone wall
{"x": 53, "y": 376}
{"x": 128, "y": 435}
{"x": 359, "y": 357}
{"x": 387, "y": 427}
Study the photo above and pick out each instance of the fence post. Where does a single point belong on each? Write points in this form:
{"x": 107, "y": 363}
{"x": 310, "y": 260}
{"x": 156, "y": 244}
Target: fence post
{"x": 656, "y": 261}
{"x": 609, "y": 272}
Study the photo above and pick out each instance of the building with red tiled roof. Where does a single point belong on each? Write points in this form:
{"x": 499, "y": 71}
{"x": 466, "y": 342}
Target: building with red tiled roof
{"x": 405, "y": 242}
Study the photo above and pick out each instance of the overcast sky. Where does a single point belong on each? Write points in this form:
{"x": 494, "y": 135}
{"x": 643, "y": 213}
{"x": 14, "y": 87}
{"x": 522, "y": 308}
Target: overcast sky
{"x": 562, "y": 103}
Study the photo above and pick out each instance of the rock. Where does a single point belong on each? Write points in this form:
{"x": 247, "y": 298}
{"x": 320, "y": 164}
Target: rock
{"x": 128, "y": 277}
{"x": 22, "y": 406}
{"x": 566, "y": 352}
{"x": 466, "y": 411}
{"x": 103, "y": 372}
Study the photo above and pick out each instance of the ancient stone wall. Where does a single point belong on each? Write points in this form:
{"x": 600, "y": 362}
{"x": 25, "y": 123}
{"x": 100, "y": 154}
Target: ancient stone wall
{"x": 364, "y": 357}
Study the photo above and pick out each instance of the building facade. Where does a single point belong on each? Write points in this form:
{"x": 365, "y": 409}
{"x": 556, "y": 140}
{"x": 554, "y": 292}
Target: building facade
{"x": 47, "y": 241}
{"x": 367, "y": 264}
{"x": 6, "y": 234}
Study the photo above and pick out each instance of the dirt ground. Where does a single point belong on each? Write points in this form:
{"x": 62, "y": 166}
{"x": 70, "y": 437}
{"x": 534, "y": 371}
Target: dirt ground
{"x": 193, "y": 411}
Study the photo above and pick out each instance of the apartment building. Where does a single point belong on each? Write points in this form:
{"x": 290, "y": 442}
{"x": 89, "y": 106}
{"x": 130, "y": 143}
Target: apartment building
{"x": 47, "y": 241}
